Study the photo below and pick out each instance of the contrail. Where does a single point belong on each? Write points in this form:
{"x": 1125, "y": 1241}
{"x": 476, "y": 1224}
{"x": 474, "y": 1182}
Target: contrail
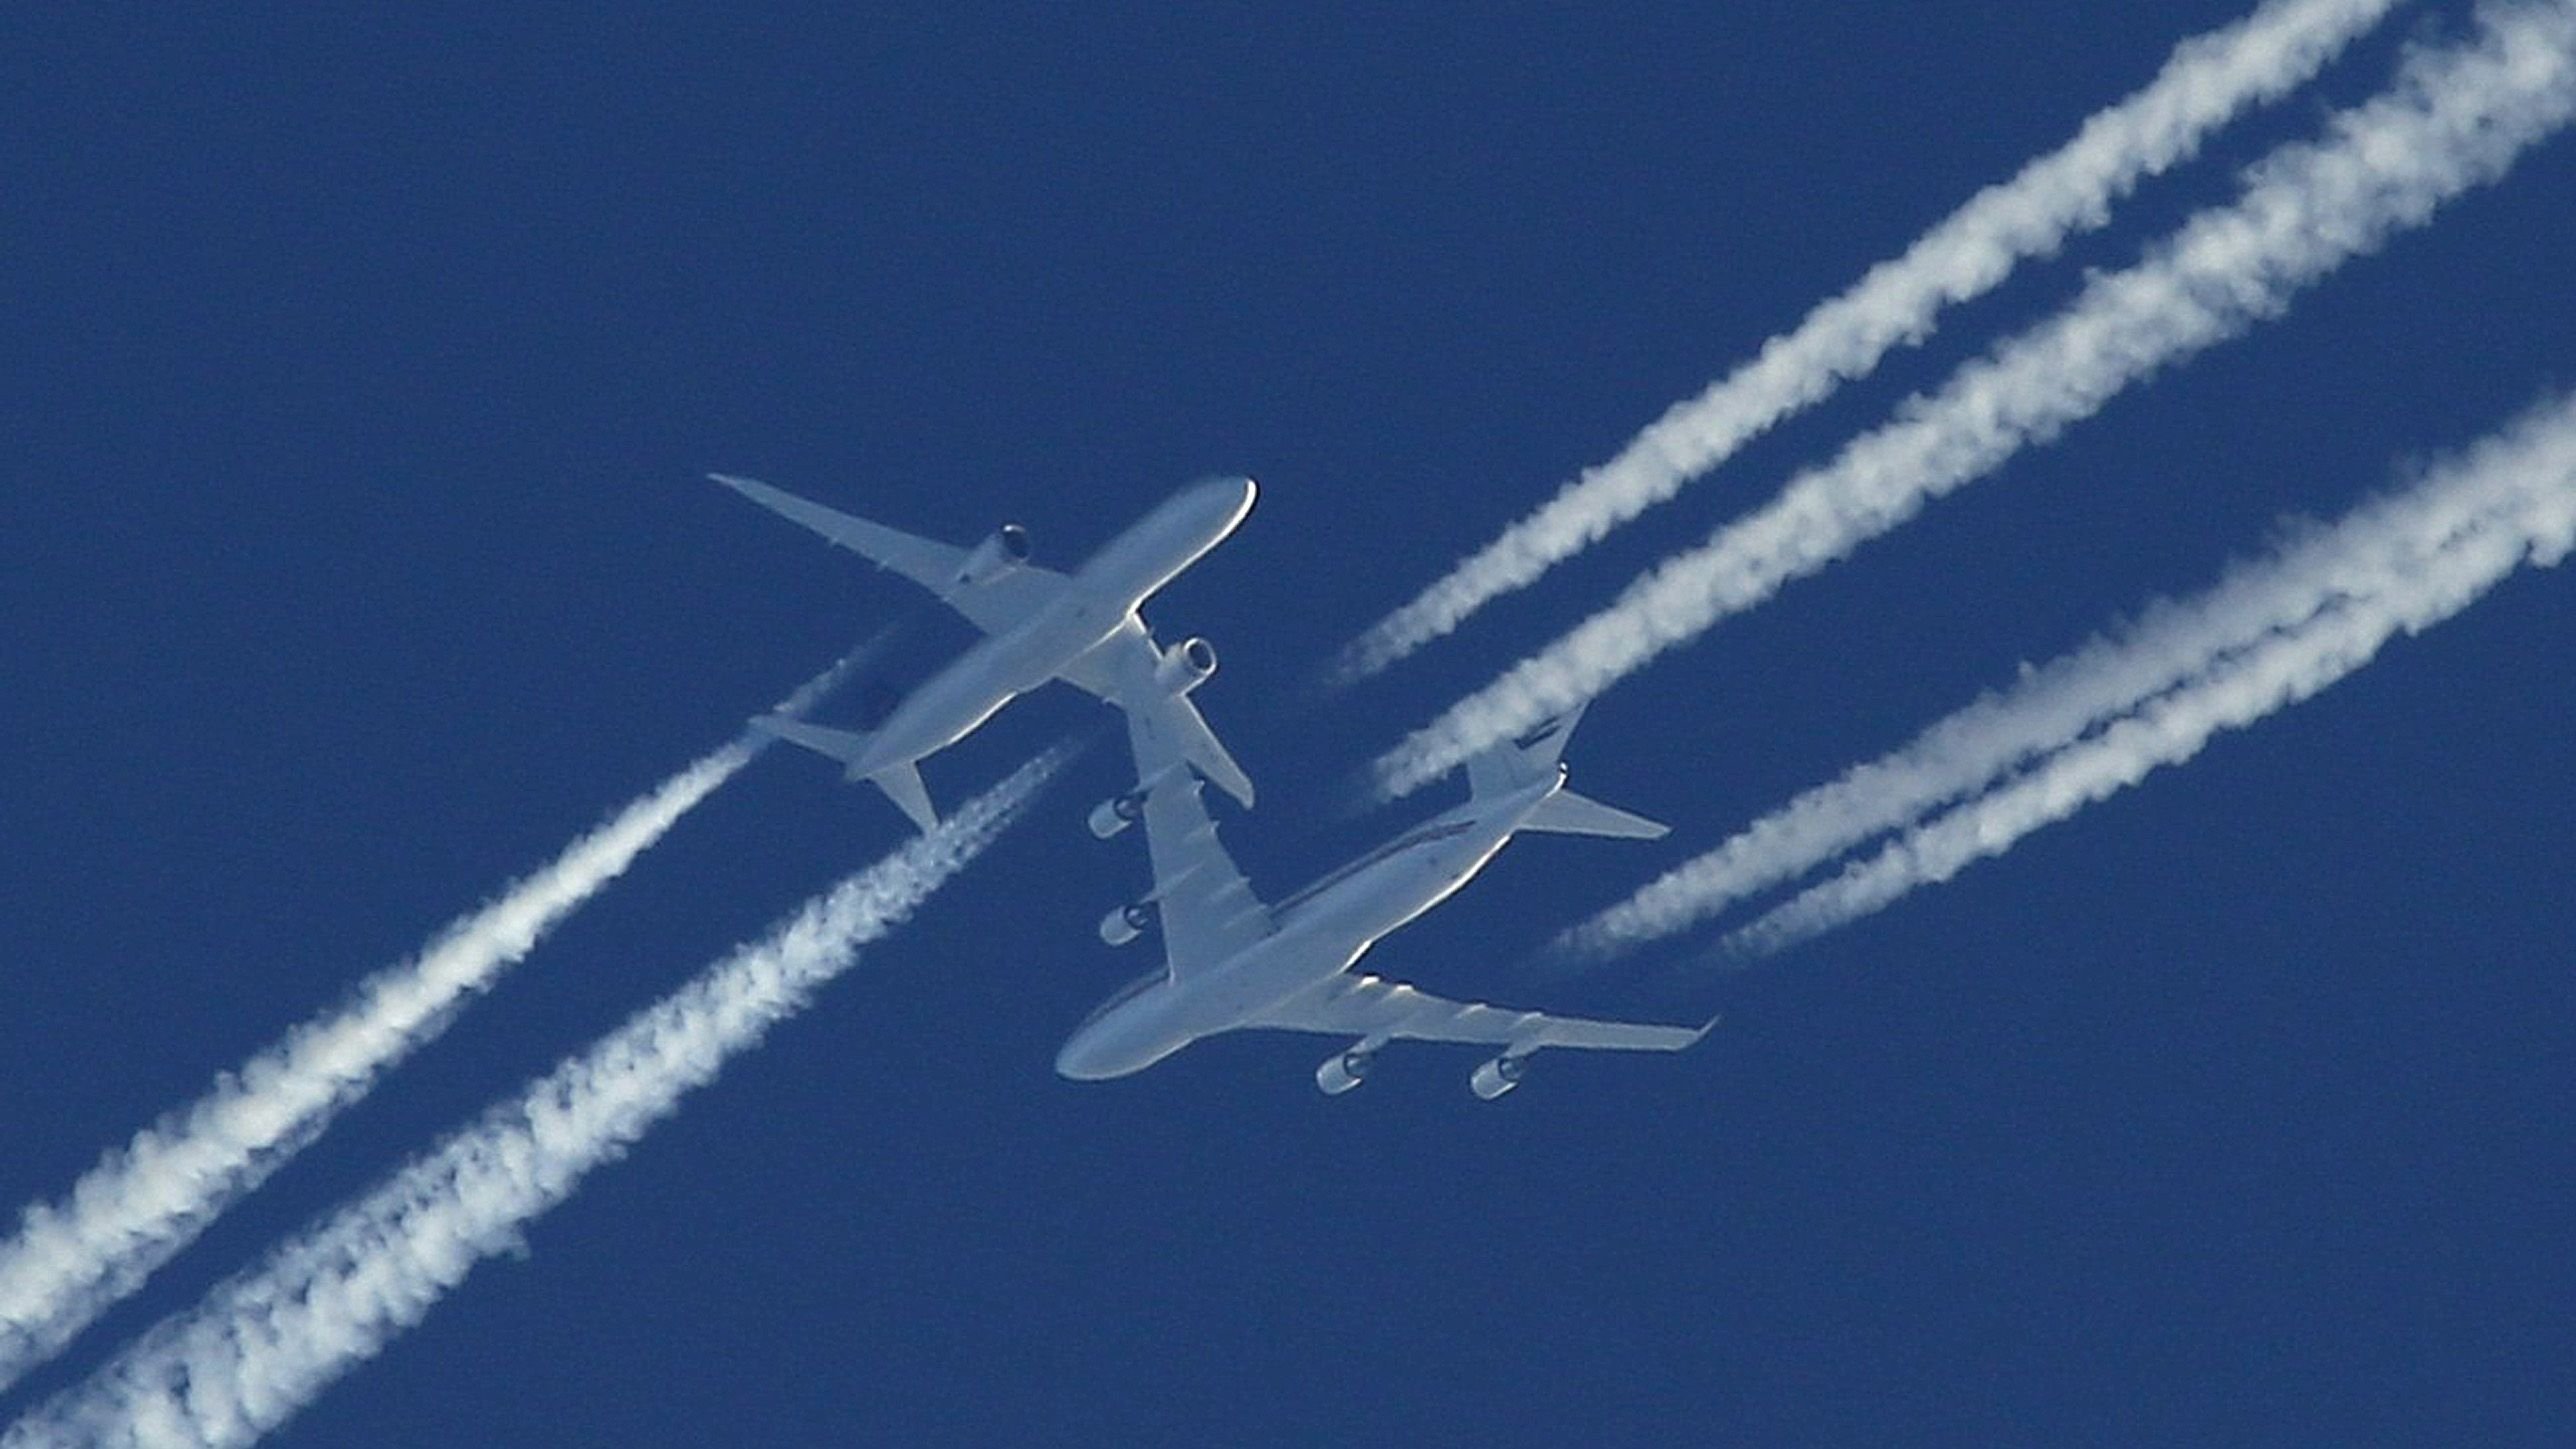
{"x": 2209, "y": 80}
{"x": 266, "y": 1343}
{"x": 2392, "y": 543}
{"x": 143, "y": 1203}
{"x": 2529, "y": 474}
{"x": 2455, "y": 118}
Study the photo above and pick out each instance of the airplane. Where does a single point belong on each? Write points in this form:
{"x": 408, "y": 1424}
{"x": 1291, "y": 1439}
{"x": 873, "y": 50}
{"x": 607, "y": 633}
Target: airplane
{"x": 1082, "y": 628}
{"x": 1231, "y": 962}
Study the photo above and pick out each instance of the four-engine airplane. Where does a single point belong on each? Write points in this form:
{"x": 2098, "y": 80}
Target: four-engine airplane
{"x": 1231, "y": 962}
{"x": 1082, "y": 628}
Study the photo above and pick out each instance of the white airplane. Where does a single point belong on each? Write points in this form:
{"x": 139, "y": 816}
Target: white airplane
{"x": 1039, "y": 625}
{"x": 1231, "y": 962}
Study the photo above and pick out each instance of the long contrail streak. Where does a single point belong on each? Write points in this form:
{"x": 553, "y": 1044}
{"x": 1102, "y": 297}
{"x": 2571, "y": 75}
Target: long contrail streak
{"x": 2388, "y": 544}
{"x": 2529, "y": 473}
{"x": 264, "y": 1344}
{"x": 2457, "y": 117}
{"x": 146, "y": 1201}
{"x": 2209, "y": 80}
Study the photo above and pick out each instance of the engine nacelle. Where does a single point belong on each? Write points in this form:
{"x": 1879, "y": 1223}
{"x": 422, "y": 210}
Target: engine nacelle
{"x": 1116, "y": 813}
{"x": 1343, "y": 1071}
{"x": 1006, "y": 550}
{"x": 1185, "y": 666}
{"x": 1126, "y": 923}
{"x": 1500, "y": 1075}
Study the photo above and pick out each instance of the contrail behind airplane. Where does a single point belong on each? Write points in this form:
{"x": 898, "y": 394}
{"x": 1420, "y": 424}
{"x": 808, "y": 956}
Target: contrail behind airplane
{"x": 2209, "y": 79}
{"x": 2530, "y": 473}
{"x": 2457, "y": 116}
{"x": 264, "y": 1344}
{"x": 144, "y": 1202}
{"x": 2392, "y": 542}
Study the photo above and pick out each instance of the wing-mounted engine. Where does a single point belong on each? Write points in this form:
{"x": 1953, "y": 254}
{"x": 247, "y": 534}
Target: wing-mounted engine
{"x": 1185, "y": 666}
{"x": 1004, "y": 551}
{"x": 1126, "y": 923}
{"x": 1346, "y": 1069}
{"x": 1500, "y": 1075}
{"x": 1116, "y": 813}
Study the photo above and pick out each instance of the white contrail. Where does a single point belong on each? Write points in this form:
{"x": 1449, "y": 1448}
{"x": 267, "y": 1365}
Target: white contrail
{"x": 143, "y": 1203}
{"x": 264, "y": 1344}
{"x": 2456, "y": 117}
{"x": 2530, "y": 473}
{"x": 2387, "y": 544}
{"x": 2209, "y": 80}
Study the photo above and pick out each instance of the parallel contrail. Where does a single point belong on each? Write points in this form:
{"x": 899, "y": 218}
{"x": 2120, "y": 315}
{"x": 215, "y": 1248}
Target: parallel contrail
{"x": 2392, "y": 544}
{"x": 2208, "y": 80}
{"x": 2456, "y": 117}
{"x": 265, "y": 1344}
{"x": 2528, "y": 478}
{"x": 143, "y": 1203}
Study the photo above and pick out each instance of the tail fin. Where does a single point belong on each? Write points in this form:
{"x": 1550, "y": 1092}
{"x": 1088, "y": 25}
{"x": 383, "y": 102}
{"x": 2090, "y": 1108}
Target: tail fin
{"x": 1538, "y": 755}
{"x": 847, "y": 746}
{"x": 1567, "y": 813}
{"x": 902, "y": 784}
{"x": 1518, "y": 764}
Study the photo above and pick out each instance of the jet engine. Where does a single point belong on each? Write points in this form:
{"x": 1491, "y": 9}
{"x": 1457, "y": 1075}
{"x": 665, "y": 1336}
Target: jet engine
{"x": 1116, "y": 813}
{"x": 1006, "y": 550}
{"x": 1500, "y": 1075}
{"x": 1126, "y": 923}
{"x": 1344, "y": 1071}
{"x": 1185, "y": 666}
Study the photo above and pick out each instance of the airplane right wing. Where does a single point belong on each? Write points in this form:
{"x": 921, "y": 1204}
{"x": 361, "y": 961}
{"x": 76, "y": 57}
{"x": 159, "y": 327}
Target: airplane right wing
{"x": 1122, "y": 670}
{"x": 992, "y": 605}
{"x": 1207, "y": 908}
{"x": 1359, "y": 1005}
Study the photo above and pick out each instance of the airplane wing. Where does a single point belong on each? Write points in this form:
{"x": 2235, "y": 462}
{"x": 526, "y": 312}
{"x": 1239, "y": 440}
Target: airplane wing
{"x": 994, "y": 606}
{"x": 1207, "y": 908}
{"x": 1120, "y": 669}
{"x": 1359, "y": 1005}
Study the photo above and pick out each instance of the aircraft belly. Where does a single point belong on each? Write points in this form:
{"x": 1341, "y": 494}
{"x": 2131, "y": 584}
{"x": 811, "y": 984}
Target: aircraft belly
{"x": 1165, "y": 542}
{"x": 957, "y": 701}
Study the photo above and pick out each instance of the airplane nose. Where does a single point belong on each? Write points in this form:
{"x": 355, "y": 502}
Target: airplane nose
{"x": 1079, "y": 1060}
{"x": 1229, "y": 496}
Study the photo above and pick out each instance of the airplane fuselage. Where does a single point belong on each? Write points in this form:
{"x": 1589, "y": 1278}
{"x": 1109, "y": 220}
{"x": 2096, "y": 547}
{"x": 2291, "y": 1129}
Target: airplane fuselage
{"x": 1322, "y": 931}
{"x": 1105, "y": 595}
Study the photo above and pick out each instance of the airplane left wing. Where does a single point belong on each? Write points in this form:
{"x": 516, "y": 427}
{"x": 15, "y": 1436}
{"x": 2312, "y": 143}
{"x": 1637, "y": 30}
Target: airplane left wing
{"x": 994, "y": 605}
{"x": 1371, "y": 1007}
{"x": 1207, "y": 908}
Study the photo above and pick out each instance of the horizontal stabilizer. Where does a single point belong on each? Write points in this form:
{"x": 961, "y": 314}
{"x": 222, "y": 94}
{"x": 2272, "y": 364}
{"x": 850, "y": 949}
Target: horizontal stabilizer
{"x": 848, "y": 746}
{"x": 902, "y": 784}
{"x": 1566, "y": 813}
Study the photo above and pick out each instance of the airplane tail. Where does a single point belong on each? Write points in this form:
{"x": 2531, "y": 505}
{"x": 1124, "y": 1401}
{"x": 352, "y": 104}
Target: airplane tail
{"x": 901, "y": 782}
{"x": 1538, "y": 755}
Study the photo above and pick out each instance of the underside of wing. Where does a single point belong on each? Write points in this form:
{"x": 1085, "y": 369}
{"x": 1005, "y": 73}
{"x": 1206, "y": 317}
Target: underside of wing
{"x": 1129, "y": 670}
{"x": 995, "y": 594}
{"x": 1207, "y": 908}
{"x": 1371, "y": 1007}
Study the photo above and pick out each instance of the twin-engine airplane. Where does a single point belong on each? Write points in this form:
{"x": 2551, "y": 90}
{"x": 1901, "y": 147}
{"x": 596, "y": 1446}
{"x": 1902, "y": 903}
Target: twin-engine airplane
{"x": 1082, "y": 628}
{"x": 1231, "y": 962}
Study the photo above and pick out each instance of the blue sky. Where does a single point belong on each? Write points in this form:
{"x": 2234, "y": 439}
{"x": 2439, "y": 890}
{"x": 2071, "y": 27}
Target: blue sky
{"x": 356, "y": 556}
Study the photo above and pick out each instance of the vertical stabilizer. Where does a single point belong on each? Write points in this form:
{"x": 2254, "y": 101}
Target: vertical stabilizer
{"x": 1537, "y": 756}
{"x": 1519, "y": 763}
